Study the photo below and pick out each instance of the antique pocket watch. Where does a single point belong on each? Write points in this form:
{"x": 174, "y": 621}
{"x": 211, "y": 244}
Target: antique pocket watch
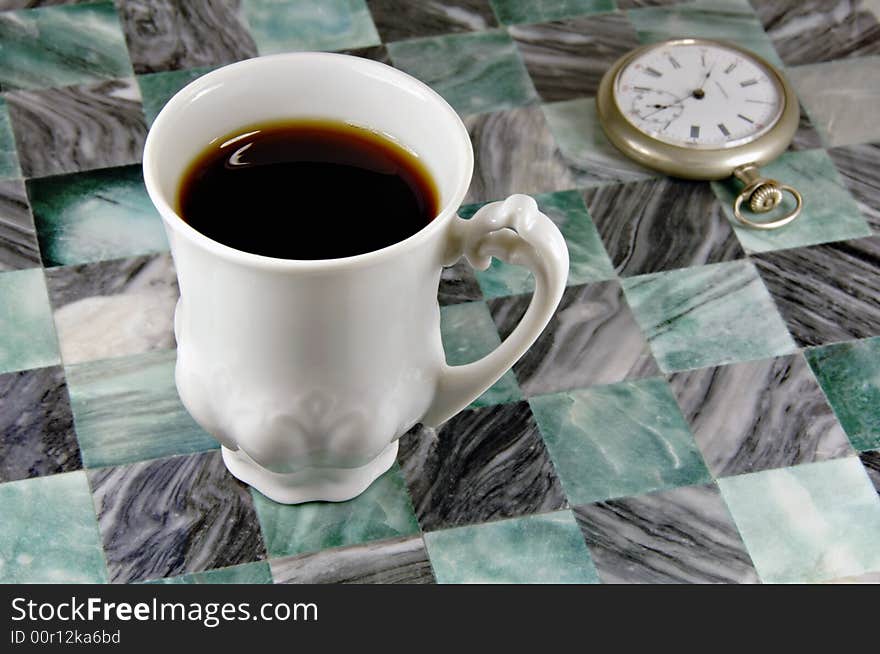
{"x": 703, "y": 109}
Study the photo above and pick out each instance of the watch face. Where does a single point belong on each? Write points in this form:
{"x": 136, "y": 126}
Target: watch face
{"x": 699, "y": 95}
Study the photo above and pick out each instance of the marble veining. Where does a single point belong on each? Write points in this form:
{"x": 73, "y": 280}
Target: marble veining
{"x": 545, "y": 549}
{"x": 829, "y": 214}
{"x": 97, "y": 215}
{"x": 567, "y": 59}
{"x": 482, "y": 464}
{"x": 849, "y": 373}
{"x": 27, "y": 336}
{"x": 8, "y": 154}
{"x": 382, "y": 511}
{"x": 759, "y": 415}
{"x": 474, "y": 72}
{"x": 402, "y": 19}
{"x": 78, "y": 127}
{"x": 537, "y": 11}
{"x": 859, "y": 167}
{"x": 127, "y": 410}
{"x": 468, "y": 334}
{"x": 174, "y": 34}
{"x": 18, "y": 237}
{"x": 172, "y": 516}
{"x": 841, "y": 111}
{"x": 114, "y": 308}
{"x": 715, "y": 314}
{"x": 661, "y": 224}
{"x": 158, "y": 88}
{"x": 396, "y": 561}
{"x": 592, "y": 339}
{"x": 618, "y": 440}
{"x": 826, "y": 293}
{"x": 287, "y": 25}
{"x": 591, "y": 158}
{"x": 36, "y": 425}
{"x": 871, "y": 462}
{"x": 588, "y": 261}
{"x": 49, "y": 532}
{"x": 246, "y": 573}
{"x": 683, "y": 535}
{"x": 811, "y": 31}
{"x": 727, "y": 20}
{"x": 806, "y": 137}
{"x": 514, "y": 152}
{"x": 61, "y": 46}
{"x": 808, "y": 523}
{"x": 458, "y": 284}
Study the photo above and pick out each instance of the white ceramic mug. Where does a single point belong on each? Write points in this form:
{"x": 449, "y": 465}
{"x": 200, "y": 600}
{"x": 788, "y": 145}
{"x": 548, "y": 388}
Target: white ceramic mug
{"x": 308, "y": 372}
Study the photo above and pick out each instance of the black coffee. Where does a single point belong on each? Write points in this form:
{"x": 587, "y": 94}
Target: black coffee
{"x": 307, "y": 190}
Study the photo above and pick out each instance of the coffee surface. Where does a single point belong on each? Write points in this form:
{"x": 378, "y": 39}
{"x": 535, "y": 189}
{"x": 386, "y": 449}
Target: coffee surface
{"x": 307, "y": 189}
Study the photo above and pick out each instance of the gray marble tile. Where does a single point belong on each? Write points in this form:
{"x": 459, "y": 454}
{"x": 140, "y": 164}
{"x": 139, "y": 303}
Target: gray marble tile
{"x": 636, "y": 4}
{"x": 810, "y": 31}
{"x": 375, "y": 52}
{"x": 403, "y": 19}
{"x": 759, "y": 415}
{"x": 176, "y": 34}
{"x": 661, "y": 224}
{"x": 807, "y": 137}
{"x": 78, "y": 127}
{"x": 826, "y": 293}
{"x": 397, "y": 561}
{"x": 18, "y": 237}
{"x": 36, "y": 425}
{"x": 114, "y": 308}
{"x": 871, "y": 461}
{"x": 515, "y": 153}
{"x": 458, "y": 284}
{"x": 481, "y": 465}
{"x": 841, "y": 97}
{"x": 684, "y": 535}
{"x": 592, "y": 339}
{"x": 567, "y": 59}
{"x": 859, "y": 166}
{"x": 173, "y": 516}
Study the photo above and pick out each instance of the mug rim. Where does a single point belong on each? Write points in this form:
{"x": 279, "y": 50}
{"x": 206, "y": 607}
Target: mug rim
{"x": 174, "y": 221}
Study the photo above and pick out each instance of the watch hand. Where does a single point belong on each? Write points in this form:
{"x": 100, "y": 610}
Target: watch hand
{"x": 666, "y": 106}
{"x": 721, "y": 88}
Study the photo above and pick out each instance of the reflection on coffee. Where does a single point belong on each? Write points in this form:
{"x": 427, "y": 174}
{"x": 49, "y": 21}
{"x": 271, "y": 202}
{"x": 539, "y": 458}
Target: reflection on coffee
{"x": 307, "y": 189}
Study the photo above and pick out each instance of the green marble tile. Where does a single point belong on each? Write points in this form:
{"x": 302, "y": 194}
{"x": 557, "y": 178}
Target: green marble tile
{"x": 469, "y": 333}
{"x": 8, "y": 154}
{"x": 247, "y": 573}
{"x": 618, "y": 440}
{"x": 582, "y": 143}
{"x": 95, "y": 216}
{"x": 158, "y": 88}
{"x": 382, "y": 511}
{"x": 511, "y": 12}
{"x": 830, "y": 213}
{"x": 728, "y": 20}
{"x": 588, "y": 261}
{"x": 476, "y": 73}
{"x": 27, "y": 333}
{"x": 538, "y": 549}
{"x": 127, "y": 409}
{"x": 288, "y": 25}
{"x": 707, "y": 316}
{"x": 849, "y": 373}
{"x": 50, "y": 533}
{"x": 808, "y": 523}
{"x": 61, "y": 46}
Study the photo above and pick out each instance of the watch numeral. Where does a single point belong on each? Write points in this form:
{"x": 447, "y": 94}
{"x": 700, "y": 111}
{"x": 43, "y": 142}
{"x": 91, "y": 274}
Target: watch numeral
{"x": 746, "y": 118}
{"x": 748, "y": 82}
{"x": 695, "y": 131}
{"x": 723, "y": 129}
{"x": 730, "y": 68}
{"x": 674, "y": 63}
{"x": 653, "y": 71}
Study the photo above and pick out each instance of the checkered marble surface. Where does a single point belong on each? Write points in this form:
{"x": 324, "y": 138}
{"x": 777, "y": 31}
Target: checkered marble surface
{"x": 704, "y": 406}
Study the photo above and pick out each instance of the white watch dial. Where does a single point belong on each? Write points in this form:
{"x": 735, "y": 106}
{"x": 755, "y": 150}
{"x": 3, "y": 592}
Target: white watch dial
{"x": 699, "y": 95}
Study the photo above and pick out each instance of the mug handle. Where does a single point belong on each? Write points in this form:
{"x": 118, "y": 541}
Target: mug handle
{"x": 515, "y": 231}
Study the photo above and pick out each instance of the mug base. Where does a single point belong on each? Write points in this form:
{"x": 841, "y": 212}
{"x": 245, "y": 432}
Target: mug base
{"x": 309, "y": 484}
